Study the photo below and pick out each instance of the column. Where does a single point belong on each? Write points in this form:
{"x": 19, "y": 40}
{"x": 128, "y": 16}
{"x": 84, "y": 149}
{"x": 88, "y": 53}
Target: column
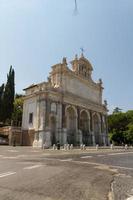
{"x": 92, "y": 128}
{"x": 59, "y": 122}
{"x": 64, "y": 129}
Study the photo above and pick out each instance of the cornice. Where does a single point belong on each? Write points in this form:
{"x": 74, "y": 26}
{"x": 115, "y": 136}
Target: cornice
{"x": 68, "y": 98}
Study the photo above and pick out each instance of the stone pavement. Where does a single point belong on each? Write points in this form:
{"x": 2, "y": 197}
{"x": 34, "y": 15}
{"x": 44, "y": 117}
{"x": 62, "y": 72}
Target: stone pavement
{"x": 27, "y": 173}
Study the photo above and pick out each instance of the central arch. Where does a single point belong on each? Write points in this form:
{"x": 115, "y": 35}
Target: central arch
{"x": 96, "y": 128}
{"x": 84, "y": 127}
{"x": 71, "y": 124}
{"x": 53, "y": 129}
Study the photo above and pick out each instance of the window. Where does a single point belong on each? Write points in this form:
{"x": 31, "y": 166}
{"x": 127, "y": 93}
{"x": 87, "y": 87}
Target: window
{"x": 30, "y": 118}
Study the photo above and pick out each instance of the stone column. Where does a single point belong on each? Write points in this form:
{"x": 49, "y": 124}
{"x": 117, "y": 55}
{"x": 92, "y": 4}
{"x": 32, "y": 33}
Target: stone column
{"x": 104, "y": 139}
{"x": 93, "y": 139}
{"x": 100, "y": 131}
{"x": 77, "y": 138}
{"x": 36, "y": 135}
{"x": 40, "y": 123}
{"x": 59, "y": 122}
{"x": 89, "y": 121}
{"x": 47, "y": 142}
{"x": 79, "y": 132}
{"x": 64, "y": 129}
{"x": 80, "y": 137}
{"x": 90, "y": 135}
{"x": 64, "y": 136}
{"x": 107, "y": 141}
{"x": 92, "y": 128}
{"x": 103, "y": 129}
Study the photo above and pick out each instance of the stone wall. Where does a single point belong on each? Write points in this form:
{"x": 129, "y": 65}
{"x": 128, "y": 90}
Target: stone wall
{"x": 13, "y": 134}
{"x": 27, "y": 137}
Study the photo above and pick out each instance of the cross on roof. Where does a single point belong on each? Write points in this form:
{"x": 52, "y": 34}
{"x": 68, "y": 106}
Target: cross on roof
{"x": 82, "y": 51}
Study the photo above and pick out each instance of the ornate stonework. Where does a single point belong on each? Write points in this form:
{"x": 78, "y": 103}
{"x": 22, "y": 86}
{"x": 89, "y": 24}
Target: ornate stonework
{"x": 67, "y": 108}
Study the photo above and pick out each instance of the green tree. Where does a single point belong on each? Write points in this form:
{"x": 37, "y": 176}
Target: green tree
{"x": 1, "y": 101}
{"x": 117, "y": 110}
{"x": 118, "y": 122}
{"x": 8, "y": 97}
{"x": 129, "y": 114}
{"x": 18, "y": 110}
{"x": 128, "y": 135}
{"x": 117, "y": 137}
{"x": 121, "y": 127}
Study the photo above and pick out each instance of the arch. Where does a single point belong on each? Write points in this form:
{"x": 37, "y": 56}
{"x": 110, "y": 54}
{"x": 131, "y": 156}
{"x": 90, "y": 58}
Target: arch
{"x": 88, "y": 114}
{"x": 85, "y": 127}
{"x": 73, "y": 107}
{"x": 53, "y": 129}
{"x": 71, "y": 124}
{"x": 96, "y": 127}
{"x": 84, "y": 120}
{"x": 97, "y": 114}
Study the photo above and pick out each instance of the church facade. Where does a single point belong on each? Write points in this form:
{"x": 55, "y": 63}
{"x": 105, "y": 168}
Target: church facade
{"x": 68, "y": 108}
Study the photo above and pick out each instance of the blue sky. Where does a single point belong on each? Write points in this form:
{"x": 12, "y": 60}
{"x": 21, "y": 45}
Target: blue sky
{"x": 35, "y": 34}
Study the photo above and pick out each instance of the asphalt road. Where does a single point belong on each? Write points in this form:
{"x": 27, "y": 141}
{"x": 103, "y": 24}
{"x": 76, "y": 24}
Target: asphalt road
{"x": 27, "y": 173}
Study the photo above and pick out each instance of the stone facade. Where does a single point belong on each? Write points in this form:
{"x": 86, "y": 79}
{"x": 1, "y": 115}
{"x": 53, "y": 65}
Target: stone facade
{"x": 67, "y": 108}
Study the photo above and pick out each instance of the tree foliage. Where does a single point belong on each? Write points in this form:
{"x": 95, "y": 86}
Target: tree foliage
{"x": 121, "y": 127}
{"x": 7, "y": 97}
{"x": 1, "y": 100}
{"x": 117, "y": 110}
{"x": 18, "y": 110}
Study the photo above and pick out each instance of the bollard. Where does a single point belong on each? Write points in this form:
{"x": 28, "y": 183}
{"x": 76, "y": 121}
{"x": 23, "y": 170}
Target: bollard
{"x": 97, "y": 146}
{"x": 54, "y": 147}
{"x": 58, "y": 145}
{"x": 111, "y": 146}
{"x": 71, "y": 146}
{"x": 68, "y": 147}
{"x": 126, "y": 147}
{"x": 81, "y": 146}
{"x": 84, "y": 147}
{"x": 65, "y": 147}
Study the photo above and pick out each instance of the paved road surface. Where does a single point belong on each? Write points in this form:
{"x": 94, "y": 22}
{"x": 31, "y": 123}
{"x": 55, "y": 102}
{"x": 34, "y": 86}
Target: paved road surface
{"x": 27, "y": 173}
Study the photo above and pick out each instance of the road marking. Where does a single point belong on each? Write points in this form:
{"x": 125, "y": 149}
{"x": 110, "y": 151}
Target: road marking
{"x": 33, "y": 167}
{"x": 21, "y": 156}
{"x": 100, "y": 155}
{"x": 86, "y": 157}
{"x": 65, "y": 160}
{"x": 11, "y": 157}
{"x": 7, "y": 174}
{"x": 115, "y": 154}
{"x": 53, "y": 159}
{"x": 45, "y": 154}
